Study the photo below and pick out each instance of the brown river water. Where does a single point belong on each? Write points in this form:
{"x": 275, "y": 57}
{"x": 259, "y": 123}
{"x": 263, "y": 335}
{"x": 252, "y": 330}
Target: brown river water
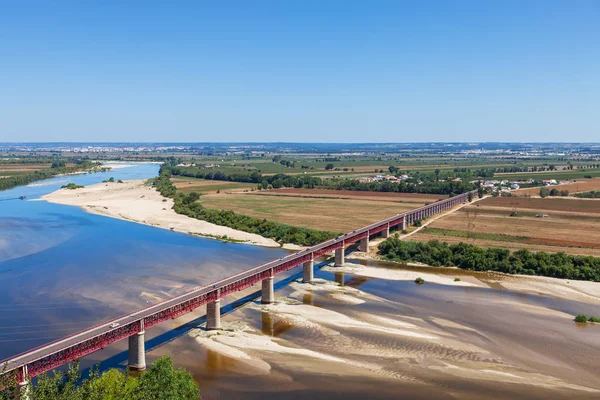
{"x": 382, "y": 338}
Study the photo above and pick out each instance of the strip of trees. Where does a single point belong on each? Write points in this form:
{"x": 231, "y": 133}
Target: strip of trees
{"x": 471, "y": 257}
{"x": 19, "y": 180}
{"x": 592, "y": 194}
{"x": 160, "y": 382}
{"x": 262, "y": 181}
{"x": 409, "y": 186}
{"x": 188, "y": 204}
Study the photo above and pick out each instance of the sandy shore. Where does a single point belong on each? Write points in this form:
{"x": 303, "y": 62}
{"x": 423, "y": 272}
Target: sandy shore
{"x": 352, "y": 333}
{"x": 136, "y": 202}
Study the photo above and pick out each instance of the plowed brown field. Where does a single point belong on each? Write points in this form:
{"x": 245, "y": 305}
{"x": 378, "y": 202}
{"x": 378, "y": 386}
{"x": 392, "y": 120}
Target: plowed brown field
{"x": 572, "y": 225}
{"x": 578, "y": 186}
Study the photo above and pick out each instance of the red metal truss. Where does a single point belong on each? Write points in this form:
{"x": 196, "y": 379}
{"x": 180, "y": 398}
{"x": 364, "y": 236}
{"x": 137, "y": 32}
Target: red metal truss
{"x": 357, "y": 237}
{"x": 292, "y": 263}
{"x": 244, "y": 283}
{"x": 175, "y": 311}
{"x": 82, "y": 349}
{"x": 396, "y": 221}
{"x": 328, "y": 249}
{"x": 378, "y": 229}
{"x": 87, "y": 342}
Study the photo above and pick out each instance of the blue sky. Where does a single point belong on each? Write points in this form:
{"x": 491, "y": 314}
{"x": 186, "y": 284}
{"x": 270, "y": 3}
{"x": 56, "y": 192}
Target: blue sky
{"x": 300, "y": 71}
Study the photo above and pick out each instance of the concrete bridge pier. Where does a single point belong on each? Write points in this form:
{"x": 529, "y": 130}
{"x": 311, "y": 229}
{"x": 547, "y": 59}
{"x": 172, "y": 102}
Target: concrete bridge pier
{"x": 137, "y": 350}
{"x": 386, "y": 232}
{"x": 364, "y": 244}
{"x": 268, "y": 293}
{"x": 308, "y": 273}
{"x": 339, "y": 257}
{"x": 404, "y": 223}
{"x": 213, "y": 315}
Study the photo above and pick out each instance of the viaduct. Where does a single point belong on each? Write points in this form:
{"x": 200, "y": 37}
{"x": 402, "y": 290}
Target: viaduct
{"x": 132, "y": 326}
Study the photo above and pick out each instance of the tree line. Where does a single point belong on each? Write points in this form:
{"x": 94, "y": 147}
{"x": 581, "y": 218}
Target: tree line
{"x": 263, "y": 182}
{"x": 188, "y": 204}
{"x": 160, "y": 382}
{"x": 545, "y": 192}
{"x": 471, "y": 257}
{"x": 408, "y": 186}
{"x": 592, "y": 194}
{"x": 19, "y": 180}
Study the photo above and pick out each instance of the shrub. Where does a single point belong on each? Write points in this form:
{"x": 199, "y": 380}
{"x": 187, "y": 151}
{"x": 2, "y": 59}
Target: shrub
{"x": 594, "y": 319}
{"x": 71, "y": 186}
{"x": 456, "y": 279}
{"x": 471, "y": 257}
{"x": 582, "y": 318}
{"x": 419, "y": 281}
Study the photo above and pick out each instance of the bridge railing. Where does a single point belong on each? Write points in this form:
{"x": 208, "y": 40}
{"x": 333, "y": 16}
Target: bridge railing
{"x": 194, "y": 298}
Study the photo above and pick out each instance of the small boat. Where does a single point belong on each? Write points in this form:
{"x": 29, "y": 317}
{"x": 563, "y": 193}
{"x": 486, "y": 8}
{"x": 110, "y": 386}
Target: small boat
{"x": 21, "y": 197}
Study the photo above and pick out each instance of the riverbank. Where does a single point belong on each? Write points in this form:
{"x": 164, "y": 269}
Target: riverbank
{"x": 373, "y": 328}
{"x": 136, "y": 202}
{"x": 583, "y": 291}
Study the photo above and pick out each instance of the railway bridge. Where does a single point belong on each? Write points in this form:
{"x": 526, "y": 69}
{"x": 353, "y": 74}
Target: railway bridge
{"x": 133, "y": 326}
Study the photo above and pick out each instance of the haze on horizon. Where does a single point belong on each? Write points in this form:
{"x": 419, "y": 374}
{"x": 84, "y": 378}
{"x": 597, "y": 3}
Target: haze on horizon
{"x": 313, "y": 71}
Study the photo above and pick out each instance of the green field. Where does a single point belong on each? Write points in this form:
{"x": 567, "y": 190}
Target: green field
{"x": 558, "y": 175}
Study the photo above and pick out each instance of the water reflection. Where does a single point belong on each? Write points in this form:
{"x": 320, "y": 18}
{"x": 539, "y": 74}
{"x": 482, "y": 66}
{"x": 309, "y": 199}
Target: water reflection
{"x": 64, "y": 270}
{"x": 339, "y": 278}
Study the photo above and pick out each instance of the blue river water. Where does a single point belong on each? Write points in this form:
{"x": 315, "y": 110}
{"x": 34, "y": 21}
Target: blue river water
{"x": 63, "y": 270}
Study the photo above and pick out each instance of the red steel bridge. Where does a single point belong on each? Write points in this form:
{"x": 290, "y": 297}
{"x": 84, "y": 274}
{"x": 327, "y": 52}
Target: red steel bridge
{"x": 133, "y": 325}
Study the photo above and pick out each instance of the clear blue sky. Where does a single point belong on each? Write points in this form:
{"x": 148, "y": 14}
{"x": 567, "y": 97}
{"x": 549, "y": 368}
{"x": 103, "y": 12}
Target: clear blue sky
{"x": 327, "y": 71}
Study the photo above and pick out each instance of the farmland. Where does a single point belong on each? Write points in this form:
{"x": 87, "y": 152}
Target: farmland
{"x": 336, "y": 211}
{"x": 580, "y": 185}
{"x": 208, "y": 186}
{"x": 20, "y": 169}
{"x": 552, "y": 225}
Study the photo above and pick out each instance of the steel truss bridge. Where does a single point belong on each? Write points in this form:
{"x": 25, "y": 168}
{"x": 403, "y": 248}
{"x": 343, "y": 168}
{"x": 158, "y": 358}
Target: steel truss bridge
{"x": 49, "y": 356}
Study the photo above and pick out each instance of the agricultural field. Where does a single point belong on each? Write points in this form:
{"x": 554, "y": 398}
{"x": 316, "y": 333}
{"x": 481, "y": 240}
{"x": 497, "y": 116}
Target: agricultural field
{"x": 553, "y": 225}
{"x": 7, "y": 170}
{"x": 203, "y": 186}
{"x": 579, "y": 185}
{"x": 558, "y": 175}
{"x": 337, "y": 211}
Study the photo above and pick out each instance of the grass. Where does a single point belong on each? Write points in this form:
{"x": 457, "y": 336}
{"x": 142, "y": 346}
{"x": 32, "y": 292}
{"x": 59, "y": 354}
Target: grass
{"x": 208, "y": 186}
{"x": 327, "y": 214}
{"x": 559, "y": 175}
{"x": 499, "y": 237}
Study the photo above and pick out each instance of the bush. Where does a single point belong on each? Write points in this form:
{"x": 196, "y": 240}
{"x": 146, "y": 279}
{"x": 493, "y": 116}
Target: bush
{"x": 456, "y": 279}
{"x": 581, "y": 318}
{"x": 594, "y": 319}
{"x": 419, "y": 281}
{"x": 160, "y": 382}
{"x": 71, "y": 186}
{"x": 471, "y": 257}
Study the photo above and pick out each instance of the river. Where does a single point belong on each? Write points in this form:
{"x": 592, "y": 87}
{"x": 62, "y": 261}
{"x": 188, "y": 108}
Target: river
{"x": 376, "y": 337}
{"x": 63, "y": 270}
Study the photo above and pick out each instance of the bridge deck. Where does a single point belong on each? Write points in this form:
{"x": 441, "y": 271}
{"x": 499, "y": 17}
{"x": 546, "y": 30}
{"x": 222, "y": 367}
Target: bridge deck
{"x": 54, "y": 354}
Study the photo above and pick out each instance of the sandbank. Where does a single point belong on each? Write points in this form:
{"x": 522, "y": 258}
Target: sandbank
{"x": 136, "y": 202}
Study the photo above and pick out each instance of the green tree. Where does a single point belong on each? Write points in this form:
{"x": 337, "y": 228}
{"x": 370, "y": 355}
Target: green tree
{"x": 160, "y": 382}
{"x": 329, "y": 167}
{"x": 544, "y": 192}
